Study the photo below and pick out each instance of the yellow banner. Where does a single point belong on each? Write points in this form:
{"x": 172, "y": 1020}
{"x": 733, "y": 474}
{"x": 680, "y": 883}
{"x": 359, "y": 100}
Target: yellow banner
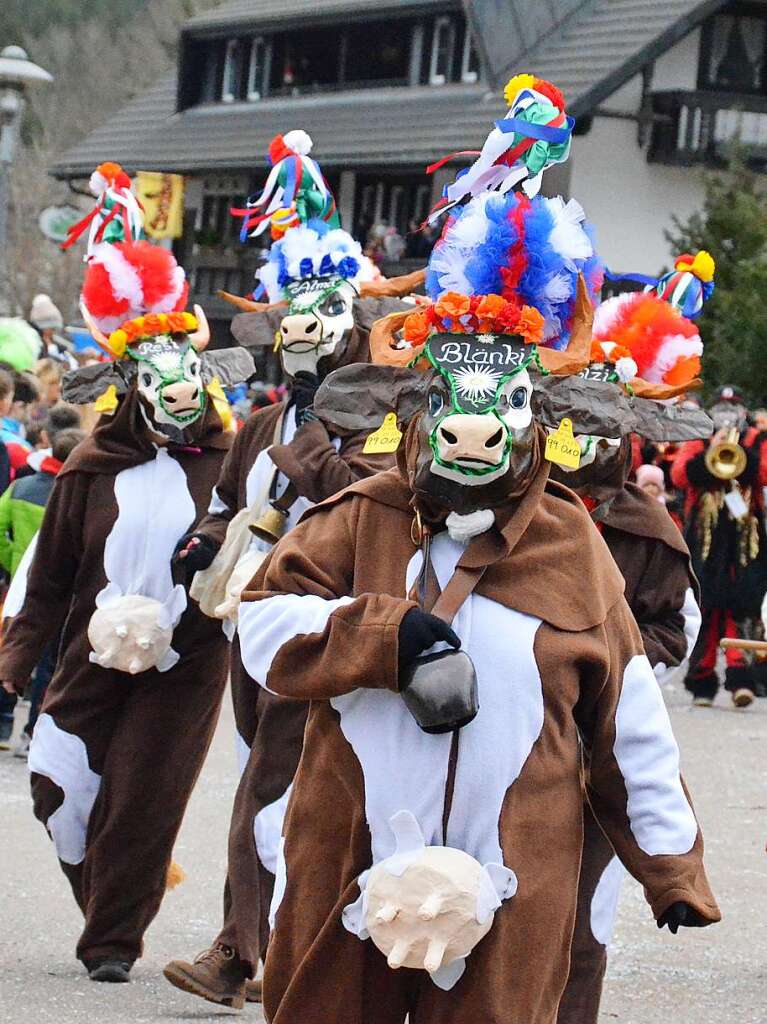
{"x": 162, "y": 196}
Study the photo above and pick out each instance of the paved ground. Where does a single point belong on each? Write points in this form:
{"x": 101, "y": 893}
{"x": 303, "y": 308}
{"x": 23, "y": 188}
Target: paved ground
{"x": 715, "y": 976}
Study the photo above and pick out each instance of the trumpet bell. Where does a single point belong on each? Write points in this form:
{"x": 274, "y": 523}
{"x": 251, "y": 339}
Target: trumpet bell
{"x": 727, "y": 460}
{"x": 270, "y": 525}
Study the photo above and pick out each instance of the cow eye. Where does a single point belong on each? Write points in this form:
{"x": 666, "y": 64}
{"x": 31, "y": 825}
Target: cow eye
{"x": 436, "y": 403}
{"x": 146, "y": 380}
{"x": 518, "y": 398}
{"x": 334, "y": 306}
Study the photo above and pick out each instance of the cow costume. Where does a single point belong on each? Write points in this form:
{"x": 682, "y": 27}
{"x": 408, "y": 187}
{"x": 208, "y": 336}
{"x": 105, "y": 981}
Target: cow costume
{"x": 661, "y": 592}
{"x": 438, "y": 802}
{"x": 132, "y": 706}
{"x": 282, "y": 462}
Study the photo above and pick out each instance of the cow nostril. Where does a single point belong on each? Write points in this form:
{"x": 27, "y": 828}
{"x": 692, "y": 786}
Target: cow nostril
{"x": 195, "y": 396}
{"x": 495, "y": 440}
{"x": 170, "y": 399}
{"x": 310, "y": 328}
{"x": 448, "y": 436}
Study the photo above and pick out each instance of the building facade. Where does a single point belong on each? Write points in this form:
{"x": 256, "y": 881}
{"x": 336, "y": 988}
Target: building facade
{"x": 660, "y": 89}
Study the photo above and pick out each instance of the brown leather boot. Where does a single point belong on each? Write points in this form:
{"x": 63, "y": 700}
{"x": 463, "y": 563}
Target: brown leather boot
{"x": 254, "y": 990}
{"x": 217, "y": 975}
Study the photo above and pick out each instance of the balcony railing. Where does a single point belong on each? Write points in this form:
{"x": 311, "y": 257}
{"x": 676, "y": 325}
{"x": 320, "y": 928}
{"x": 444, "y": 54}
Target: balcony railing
{"x": 701, "y": 127}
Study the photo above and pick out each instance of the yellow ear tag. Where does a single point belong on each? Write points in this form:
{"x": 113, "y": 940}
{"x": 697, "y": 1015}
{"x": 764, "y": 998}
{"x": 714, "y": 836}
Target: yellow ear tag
{"x": 107, "y": 403}
{"x": 385, "y": 439}
{"x": 561, "y": 446}
{"x": 221, "y": 403}
{"x": 277, "y": 341}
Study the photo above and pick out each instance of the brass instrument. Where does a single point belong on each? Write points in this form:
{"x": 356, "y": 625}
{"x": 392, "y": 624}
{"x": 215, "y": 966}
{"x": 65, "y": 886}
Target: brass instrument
{"x": 727, "y": 460}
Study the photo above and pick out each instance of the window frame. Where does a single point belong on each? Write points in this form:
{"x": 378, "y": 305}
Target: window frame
{"x": 469, "y": 77}
{"x": 259, "y": 90}
{"x": 442, "y": 21}
{"x": 231, "y": 49}
{"x": 740, "y": 10}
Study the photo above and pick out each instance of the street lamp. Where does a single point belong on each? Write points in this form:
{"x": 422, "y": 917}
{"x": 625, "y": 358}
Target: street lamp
{"x": 17, "y": 74}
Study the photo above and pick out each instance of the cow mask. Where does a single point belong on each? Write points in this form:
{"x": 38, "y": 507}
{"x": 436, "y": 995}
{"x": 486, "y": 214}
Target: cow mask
{"x": 475, "y": 406}
{"x": 317, "y": 326}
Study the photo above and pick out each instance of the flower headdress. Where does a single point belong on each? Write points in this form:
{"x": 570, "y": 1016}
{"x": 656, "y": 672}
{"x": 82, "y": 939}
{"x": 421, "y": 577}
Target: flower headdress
{"x": 295, "y": 191}
{"x": 143, "y": 328}
{"x": 535, "y": 134}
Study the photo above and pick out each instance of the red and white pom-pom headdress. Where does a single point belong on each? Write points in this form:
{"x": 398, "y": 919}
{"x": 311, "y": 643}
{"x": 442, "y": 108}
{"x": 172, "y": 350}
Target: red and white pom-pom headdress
{"x": 665, "y": 346}
{"x": 129, "y": 279}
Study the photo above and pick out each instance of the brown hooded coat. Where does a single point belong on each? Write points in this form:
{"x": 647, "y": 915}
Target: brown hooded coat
{"x": 555, "y": 659}
{"x": 115, "y": 756}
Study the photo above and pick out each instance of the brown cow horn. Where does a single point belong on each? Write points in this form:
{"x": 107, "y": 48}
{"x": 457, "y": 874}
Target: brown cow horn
{"x": 575, "y": 357}
{"x": 248, "y": 305}
{"x": 383, "y": 342}
{"x": 392, "y": 287}
{"x": 644, "y": 389}
{"x": 98, "y": 335}
{"x": 200, "y": 338}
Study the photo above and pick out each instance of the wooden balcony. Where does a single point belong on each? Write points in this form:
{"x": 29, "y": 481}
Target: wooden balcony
{"x": 700, "y": 128}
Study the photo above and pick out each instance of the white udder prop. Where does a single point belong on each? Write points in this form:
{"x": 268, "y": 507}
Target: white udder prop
{"x": 424, "y": 904}
{"x": 428, "y": 906}
{"x": 136, "y": 612}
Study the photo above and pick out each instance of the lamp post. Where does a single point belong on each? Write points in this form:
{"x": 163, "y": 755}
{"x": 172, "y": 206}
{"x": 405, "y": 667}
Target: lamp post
{"x": 17, "y": 74}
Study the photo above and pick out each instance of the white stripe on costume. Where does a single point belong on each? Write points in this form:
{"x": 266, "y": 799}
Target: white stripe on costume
{"x": 266, "y": 626}
{"x": 62, "y": 757}
{"x": 659, "y": 814}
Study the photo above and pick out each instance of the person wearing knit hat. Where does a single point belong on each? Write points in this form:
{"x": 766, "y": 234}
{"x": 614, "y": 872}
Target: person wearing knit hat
{"x": 651, "y": 480}
{"x": 45, "y": 314}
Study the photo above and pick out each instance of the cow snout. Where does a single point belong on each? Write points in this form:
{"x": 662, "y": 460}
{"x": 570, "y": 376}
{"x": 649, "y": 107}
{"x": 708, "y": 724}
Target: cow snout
{"x": 181, "y": 397}
{"x": 302, "y": 329}
{"x": 466, "y": 438}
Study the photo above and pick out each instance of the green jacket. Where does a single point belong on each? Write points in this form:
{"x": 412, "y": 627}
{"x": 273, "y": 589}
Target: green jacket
{"x": 22, "y": 507}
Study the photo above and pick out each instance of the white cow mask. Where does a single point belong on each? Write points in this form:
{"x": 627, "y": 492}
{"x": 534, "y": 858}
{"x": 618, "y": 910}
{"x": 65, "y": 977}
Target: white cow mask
{"x": 319, "y": 321}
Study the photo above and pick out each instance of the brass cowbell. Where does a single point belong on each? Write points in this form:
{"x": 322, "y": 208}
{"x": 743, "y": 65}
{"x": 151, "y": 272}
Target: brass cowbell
{"x": 270, "y": 525}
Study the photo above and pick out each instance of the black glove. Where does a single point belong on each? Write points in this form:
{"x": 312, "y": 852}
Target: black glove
{"x": 195, "y": 552}
{"x": 680, "y": 915}
{"x": 418, "y": 631}
{"x": 303, "y": 390}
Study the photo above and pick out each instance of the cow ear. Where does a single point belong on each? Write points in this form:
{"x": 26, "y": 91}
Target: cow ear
{"x": 593, "y": 407}
{"x": 257, "y": 330}
{"x": 231, "y": 366}
{"x": 87, "y": 383}
{"x": 358, "y": 397}
{"x": 659, "y": 422}
{"x": 368, "y": 310}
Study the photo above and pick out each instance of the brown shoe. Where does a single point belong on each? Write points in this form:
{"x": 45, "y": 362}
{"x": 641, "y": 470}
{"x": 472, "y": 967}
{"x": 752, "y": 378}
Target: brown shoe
{"x": 742, "y": 698}
{"x": 254, "y": 990}
{"x": 217, "y": 975}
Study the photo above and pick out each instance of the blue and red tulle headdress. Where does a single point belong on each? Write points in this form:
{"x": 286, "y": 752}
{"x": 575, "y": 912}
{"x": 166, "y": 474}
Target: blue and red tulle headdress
{"x": 527, "y": 251}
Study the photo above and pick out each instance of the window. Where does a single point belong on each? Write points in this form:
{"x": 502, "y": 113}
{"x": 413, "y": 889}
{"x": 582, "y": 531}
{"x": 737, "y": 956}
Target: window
{"x": 442, "y": 47}
{"x": 258, "y": 68}
{"x": 733, "y": 52}
{"x": 230, "y": 88}
{"x": 377, "y": 51}
{"x": 469, "y": 61}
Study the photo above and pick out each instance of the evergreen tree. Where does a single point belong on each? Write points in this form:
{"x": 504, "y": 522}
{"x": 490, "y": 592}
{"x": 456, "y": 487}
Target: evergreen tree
{"x": 732, "y": 226}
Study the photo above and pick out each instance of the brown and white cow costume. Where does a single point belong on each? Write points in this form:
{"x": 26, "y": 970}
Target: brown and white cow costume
{"x": 132, "y": 706}
{"x": 662, "y": 593}
{"x": 323, "y": 324}
{"x": 469, "y": 523}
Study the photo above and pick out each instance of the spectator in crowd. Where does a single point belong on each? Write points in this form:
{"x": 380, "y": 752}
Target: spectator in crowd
{"x": 46, "y": 318}
{"x": 22, "y": 507}
{"x": 650, "y": 479}
{"x": 11, "y": 428}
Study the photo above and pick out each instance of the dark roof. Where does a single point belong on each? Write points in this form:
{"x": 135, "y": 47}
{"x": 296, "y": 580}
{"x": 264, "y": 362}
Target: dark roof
{"x": 251, "y": 12}
{"x": 589, "y": 54}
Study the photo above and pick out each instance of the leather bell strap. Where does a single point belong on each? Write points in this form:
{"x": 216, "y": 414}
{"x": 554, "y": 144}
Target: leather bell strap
{"x": 288, "y": 497}
{"x": 444, "y": 603}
